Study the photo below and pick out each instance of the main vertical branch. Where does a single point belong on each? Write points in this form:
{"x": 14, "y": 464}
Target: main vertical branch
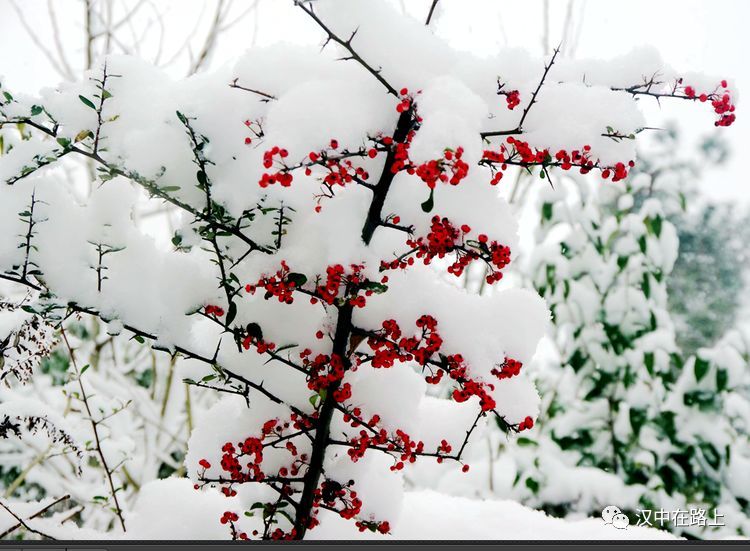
{"x": 323, "y": 430}
{"x": 342, "y": 335}
{"x": 374, "y": 214}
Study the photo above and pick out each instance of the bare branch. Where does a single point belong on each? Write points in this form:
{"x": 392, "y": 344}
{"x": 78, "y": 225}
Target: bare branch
{"x": 431, "y": 12}
{"x": 347, "y": 45}
{"x": 95, "y": 429}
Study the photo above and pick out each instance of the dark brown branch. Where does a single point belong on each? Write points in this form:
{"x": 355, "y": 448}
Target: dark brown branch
{"x": 431, "y": 12}
{"x": 519, "y": 128}
{"x": 23, "y": 523}
{"x": 380, "y": 192}
{"x": 265, "y": 95}
{"x": 35, "y": 515}
{"x": 347, "y": 45}
{"x": 323, "y": 425}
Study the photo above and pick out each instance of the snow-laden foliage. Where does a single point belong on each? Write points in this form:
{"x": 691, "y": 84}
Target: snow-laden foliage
{"x": 624, "y": 400}
{"x": 626, "y": 418}
{"x": 141, "y": 412}
{"x": 314, "y": 194}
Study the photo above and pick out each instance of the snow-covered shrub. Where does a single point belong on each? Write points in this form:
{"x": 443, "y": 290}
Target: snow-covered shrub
{"x": 314, "y": 196}
{"x": 621, "y": 401}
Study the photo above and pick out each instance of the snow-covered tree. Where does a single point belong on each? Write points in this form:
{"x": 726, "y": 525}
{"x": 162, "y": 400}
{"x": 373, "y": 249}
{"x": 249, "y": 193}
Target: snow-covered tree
{"x": 620, "y": 399}
{"x": 301, "y": 283}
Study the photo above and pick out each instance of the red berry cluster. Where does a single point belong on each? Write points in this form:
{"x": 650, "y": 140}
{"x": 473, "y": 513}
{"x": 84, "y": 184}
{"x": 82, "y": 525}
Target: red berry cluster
{"x": 340, "y": 169}
{"x": 383, "y": 527}
{"x": 230, "y": 460}
{"x": 323, "y": 370}
{"x": 283, "y": 176}
{"x": 509, "y": 368}
{"x": 338, "y": 496}
{"x": 279, "y": 535}
{"x": 444, "y": 238}
{"x": 526, "y": 424}
{"x": 399, "y": 444}
{"x": 278, "y": 285}
{"x": 339, "y": 283}
{"x": 513, "y": 99}
{"x": 390, "y": 346}
{"x": 451, "y": 168}
{"x": 212, "y": 310}
{"x": 261, "y": 346}
{"x": 229, "y": 516}
{"x": 406, "y": 100}
{"x": 720, "y": 101}
{"x": 474, "y": 388}
{"x": 520, "y": 153}
{"x": 343, "y": 393}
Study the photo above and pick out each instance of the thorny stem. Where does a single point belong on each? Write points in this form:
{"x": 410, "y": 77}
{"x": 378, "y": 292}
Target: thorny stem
{"x": 95, "y": 429}
{"x": 347, "y": 45}
{"x": 266, "y": 96}
{"x": 23, "y": 523}
{"x": 519, "y": 129}
{"x": 29, "y": 235}
{"x": 35, "y": 515}
{"x": 323, "y": 429}
{"x": 380, "y": 192}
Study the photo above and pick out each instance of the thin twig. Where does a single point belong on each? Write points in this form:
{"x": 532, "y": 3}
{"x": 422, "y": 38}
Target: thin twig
{"x": 94, "y": 428}
{"x": 432, "y": 11}
{"x": 35, "y": 515}
{"x": 347, "y": 45}
{"x": 23, "y": 523}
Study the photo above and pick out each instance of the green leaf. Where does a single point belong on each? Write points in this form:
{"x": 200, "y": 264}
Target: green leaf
{"x": 374, "y": 286}
{"x": 700, "y": 368}
{"x": 646, "y": 285}
{"x": 7, "y": 95}
{"x": 648, "y": 360}
{"x": 547, "y": 211}
{"x": 711, "y": 455}
{"x": 523, "y": 441}
{"x": 170, "y": 189}
{"x": 202, "y": 178}
{"x": 87, "y": 102}
{"x": 208, "y": 378}
{"x": 84, "y": 368}
{"x": 298, "y": 279}
{"x": 656, "y": 224}
{"x": 64, "y": 142}
{"x": 232, "y": 313}
{"x": 139, "y": 339}
{"x": 428, "y": 205}
{"x": 36, "y": 110}
{"x": 642, "y": 243}
{"x": 637, "y": 419}
{"x": 722, "y": 379}
{"x": 532, "y": 485}
{"x": 106, "y": 94}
